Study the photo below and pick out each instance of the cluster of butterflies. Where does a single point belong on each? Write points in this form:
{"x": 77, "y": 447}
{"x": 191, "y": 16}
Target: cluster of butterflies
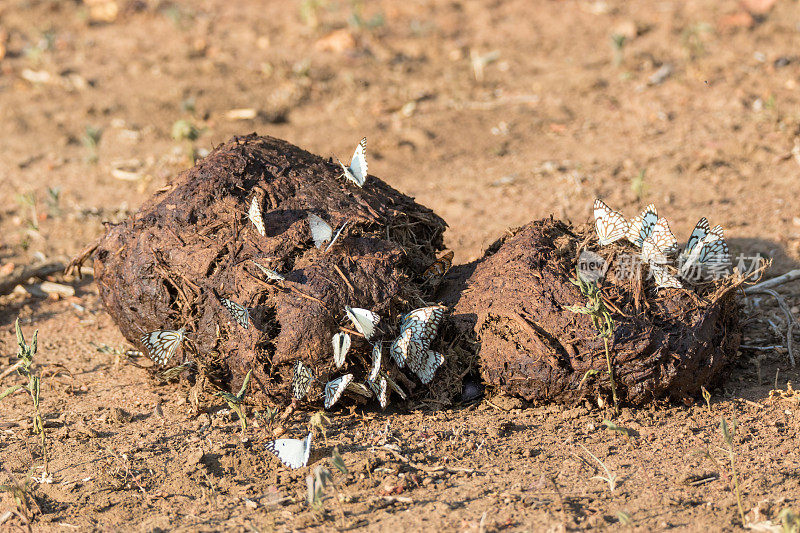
{"x": 659, "y": 247}
{"x": 412, "y": 348}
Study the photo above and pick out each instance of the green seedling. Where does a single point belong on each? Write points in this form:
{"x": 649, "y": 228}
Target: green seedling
{"x": 625, "y": 432}
{"x": 728, "y": 432}
{"x": 601, "y": 318}
{"x": 25, "y": 353}
{"x": 184, "y": 130}
{"x": 54, "y": 201}
{"x": 235, "y": 401}
{"x": 638, "y": 185}
{"x": 338, "y": 462}
{"x": 618, "y": 46}
{"x": 29, "y": 200}
{"x": 790, "y": 521}
{"x": 90, "y": 140}
{"x": 20, "y": 493}
{"x": 609, "y": 478}
{"x": 706, "y": 397}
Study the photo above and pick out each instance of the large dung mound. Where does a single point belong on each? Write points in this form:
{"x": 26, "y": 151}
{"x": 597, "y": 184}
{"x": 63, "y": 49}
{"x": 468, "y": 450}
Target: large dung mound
{"x": 191, "y": 245}
{"x": 665, "y": 343}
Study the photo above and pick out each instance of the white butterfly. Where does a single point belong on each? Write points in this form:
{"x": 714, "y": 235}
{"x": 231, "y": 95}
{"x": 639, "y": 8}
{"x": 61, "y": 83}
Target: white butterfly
{"x": 642, "y": 225}
{"x": 699, "y": 232}
{"x": 322, "y": 232}
{"x": 254, "y": 214}
{"x": 239, "y": 313}
{"x": 341, "y": 345}
{"x": 379, "y": 388}
{"x": 293, "y": 453}
{"x": 357, "y": 171}
{"x": 610, "y": 225}
{"x": 363, "y": 319}
{"x": 334, "y": 389}
{"x": 399, "y": 349}
{"x": 271, "y": 274}
{"x": 161, "y": 345}
{"x": 376, "y": 362}
{"x": 660, "y": 244}
{"x": 423, "y": 323}
{"x": 712, "y": 248}
{"x": 301, "y": 382}
{"x": 359, "y": 388}
{"x": 427, "y": 362}
{"x": 664, "y": 278}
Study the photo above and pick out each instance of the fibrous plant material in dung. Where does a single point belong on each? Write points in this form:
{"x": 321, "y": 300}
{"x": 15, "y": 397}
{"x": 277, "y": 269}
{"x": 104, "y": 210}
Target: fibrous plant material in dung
{"x": 515, "y": 304}
{"x": 192, "y": 259}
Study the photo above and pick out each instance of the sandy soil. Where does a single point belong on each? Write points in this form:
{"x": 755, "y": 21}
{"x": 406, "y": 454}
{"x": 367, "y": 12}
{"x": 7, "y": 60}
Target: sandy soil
{"x": 491, "y": 113}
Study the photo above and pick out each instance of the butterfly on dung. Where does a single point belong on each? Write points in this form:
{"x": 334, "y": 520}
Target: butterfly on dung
{"x": 610, "y": 225}
{"x": 161, "y": 345}
{"x": 356, "y": 172}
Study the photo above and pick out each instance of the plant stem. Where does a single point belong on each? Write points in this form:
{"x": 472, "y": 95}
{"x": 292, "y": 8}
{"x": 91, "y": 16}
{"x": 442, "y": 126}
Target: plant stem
{"x": 611, "y": 377}
{"x": 736, "y": 484}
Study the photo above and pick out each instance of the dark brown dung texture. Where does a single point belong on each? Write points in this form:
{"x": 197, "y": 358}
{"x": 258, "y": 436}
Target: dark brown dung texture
{"x": 666, "y": 343}
{"x": 168, "y": 265}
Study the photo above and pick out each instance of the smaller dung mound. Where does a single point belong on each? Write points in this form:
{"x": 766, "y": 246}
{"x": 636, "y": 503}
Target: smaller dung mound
{"x": 249, "y": 259}
{"x": 520, "y": 300}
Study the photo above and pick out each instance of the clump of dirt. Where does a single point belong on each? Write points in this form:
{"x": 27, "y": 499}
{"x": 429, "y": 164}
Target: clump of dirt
{"x": 191, "y": 245}
{"x": 514, "y": 302}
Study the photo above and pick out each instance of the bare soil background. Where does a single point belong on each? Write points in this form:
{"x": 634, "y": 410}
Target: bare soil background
{"x": 492, "y": 114}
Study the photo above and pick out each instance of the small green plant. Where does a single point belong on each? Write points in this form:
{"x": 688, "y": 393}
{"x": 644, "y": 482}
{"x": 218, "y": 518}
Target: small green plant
{"x": 321, "y": 478}
{"x": 601, "y": 318}
{"x": 625, "y": 432}
{"x": 90, "y": 140}
{"x": 235, "y": 401}
{"x": 21, "y": 494}
{"x": 28, "y": 200}
{"x": 309, "y": 12}
{"x": 618, "y": 47}
{"x": 706, "y": 397}
{"x": 693, "y": 39}
{"x": 638, "y": 185}
{"x": 54, "y": 201}
{"x": 184, "y": 130}
{"x": 728, "y": 432}
{"x": 609, "y": 478}
{"x": 25, "y": 353}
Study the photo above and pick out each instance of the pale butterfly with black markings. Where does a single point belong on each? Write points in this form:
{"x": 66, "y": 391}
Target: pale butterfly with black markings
{"x": 321, "y": 231}
{"x": 610, "y": 225}
{"x": 301, "y": 381}
{"x": 271, "y": 274}
{"x": 664, "y": 278}
{"x": 341, "y": 345}
{"x": 711, "y": 248}
{"x": 379, "y": 388}
{"x": 427, "y": 361}
{"x": 357, "y": 171}
{"x": 293, "y": 453}
{"x": 399, "y": 348}
{"x": 660, "y": 244}
{"x": 376, "y": 362}
{"x": 254, "y": 214}
{"x": 335, "y": 388}
{"x": 642, "y": 225}
{"x": 699, "y": 232}
{"x": 239, "y": 313}
{"x": 364, "y": 320}
{"x": 162, "y": 345}
{"x": 421, "y": 326}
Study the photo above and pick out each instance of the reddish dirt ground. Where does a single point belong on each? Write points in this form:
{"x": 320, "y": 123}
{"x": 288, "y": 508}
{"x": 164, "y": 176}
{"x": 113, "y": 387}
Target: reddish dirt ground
{"x": 492, "y": 113}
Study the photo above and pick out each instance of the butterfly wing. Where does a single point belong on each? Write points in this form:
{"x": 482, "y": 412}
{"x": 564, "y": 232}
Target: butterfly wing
{"x": 642, "y": 225}
{"x": 399, "y": 348}
{"x": 379, "y": 389}
{"x": 293, "y": 453}
{"x": 301, "y": 382}
{"x": 254, "y": 214}
{"x": 364, "y": 320}
{"x": 439, "y": 267}
{"x": 395, "y": 387}
{"x": 321, "y": 231}
{"x": 161, "y": 345}
{"x": 376, "y": 362}
{"x": 239, "y": 313}
{"x": 431, "y": 363}
{"x": 424, "y": 324}
{"x": 358, "y": 164}
{"x": 664, "y": 278}
{"x": 664, "y": 239}
{"x": 699, "y": 233}
{"x": 271, "y": 274}
{"x": 714, "y": 248}
{"x": 359, "y": 388}
{"x": 334, "y": 389}
{"x": 610, "y": 225}
{"x": 341, "y": 345}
